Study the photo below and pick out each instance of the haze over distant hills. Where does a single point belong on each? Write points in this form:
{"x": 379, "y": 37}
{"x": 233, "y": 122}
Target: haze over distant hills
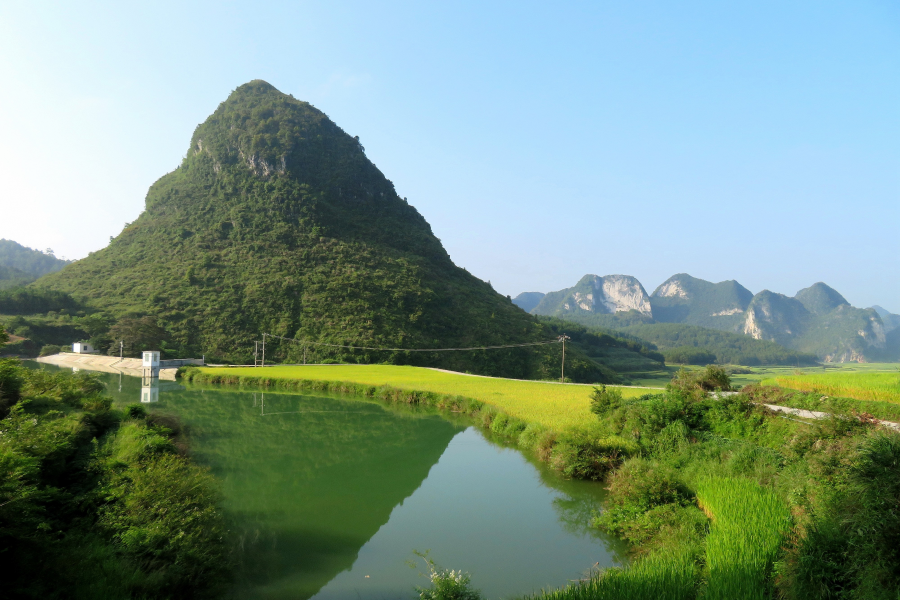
{"x": 20, "y": 265}
{"x": 817, "y": 320}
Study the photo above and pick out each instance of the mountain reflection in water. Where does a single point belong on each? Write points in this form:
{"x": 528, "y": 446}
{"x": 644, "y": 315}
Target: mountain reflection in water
{"x": 327, "y": 496}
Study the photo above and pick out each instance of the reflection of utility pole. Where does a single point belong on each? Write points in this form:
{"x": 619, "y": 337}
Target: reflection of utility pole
{"x": 562, "y": 371}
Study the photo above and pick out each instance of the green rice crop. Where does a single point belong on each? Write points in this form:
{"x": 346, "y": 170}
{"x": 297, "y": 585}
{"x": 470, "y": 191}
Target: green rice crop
{"x": 748, "y": 525}
{"x": 554, "y": 405}
{"x": 660, "y": 576}
{"x": 884, "y": 387}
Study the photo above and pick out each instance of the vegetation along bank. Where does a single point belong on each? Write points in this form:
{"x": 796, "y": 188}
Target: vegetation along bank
{"x": 100, "y": 503}
{"x": 719, "y": 497}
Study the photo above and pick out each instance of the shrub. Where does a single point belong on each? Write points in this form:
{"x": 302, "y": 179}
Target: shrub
{"x": 446, "y": 584}
{"x": 50, "y": 349}
{"x": 605, "y": 400}
{"x": 584, "y": 454}
{"x": 712, "y": 378}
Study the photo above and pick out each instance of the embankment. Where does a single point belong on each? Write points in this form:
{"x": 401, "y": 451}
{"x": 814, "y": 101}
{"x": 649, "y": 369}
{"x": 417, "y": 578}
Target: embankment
{"x": 107, "y": 364}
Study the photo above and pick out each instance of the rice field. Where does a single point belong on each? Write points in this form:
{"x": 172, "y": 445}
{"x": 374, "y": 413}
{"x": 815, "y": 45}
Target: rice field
{"x": 747, "y": 528}
{"x": 554, "y": 405}
{"x": 884, "y": 387}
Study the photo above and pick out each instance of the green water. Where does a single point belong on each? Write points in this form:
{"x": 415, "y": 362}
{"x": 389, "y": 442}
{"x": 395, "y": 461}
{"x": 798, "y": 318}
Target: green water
{"x": 327, "y": 497}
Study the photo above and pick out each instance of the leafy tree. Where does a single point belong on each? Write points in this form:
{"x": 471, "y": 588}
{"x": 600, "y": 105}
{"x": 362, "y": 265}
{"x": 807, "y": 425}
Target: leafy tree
{"x": 138, "y": 335}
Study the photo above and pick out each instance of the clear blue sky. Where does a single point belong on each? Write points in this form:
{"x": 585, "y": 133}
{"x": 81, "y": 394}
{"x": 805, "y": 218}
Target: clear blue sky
{"x": 757, "y": 141}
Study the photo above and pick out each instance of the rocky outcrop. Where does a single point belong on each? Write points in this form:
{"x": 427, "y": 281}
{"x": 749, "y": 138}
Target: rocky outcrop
{"x": 621, "y": 293}
{"x": 594, "y": 294}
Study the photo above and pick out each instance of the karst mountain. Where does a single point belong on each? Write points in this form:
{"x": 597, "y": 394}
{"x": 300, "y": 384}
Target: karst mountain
{"x": 277, "y": 222}
{"x": 817, "y": 320}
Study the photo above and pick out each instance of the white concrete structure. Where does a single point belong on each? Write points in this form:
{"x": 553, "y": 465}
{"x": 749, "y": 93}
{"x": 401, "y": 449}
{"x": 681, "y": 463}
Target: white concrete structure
{"x": 150, "y": 391}
{"x": 150, "y": 359}
{"x": 82, "y": 348}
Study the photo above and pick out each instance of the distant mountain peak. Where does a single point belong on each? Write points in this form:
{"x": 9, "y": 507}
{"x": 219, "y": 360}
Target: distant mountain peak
{"x": 595, "y": 294}
{"x": 528, "y": 300}
{"x": 820, "y": 298}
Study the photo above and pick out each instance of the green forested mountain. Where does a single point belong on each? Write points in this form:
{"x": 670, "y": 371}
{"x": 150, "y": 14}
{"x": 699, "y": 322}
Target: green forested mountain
{"x": 891, "y": 321}
{"x": 817, "y": 321}
{"x": 528, "y": 300}
{"x": 11, "y": 277}
{"x": 685, "y": 299}
{"x": 820, "y": 299}
{"x": 277, "y": 222}
{"x": 33, "y": 263}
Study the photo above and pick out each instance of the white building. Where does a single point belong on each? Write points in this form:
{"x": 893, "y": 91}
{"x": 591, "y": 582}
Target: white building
{"x": 82, "y": 348}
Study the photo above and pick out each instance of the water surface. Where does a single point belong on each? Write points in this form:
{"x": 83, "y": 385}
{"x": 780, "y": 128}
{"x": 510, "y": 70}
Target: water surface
{"x": 327, "y": 497}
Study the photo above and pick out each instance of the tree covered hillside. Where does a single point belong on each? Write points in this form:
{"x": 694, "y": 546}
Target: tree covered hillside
{"x": 277, "y": 222}
{"x": 33, "y": 263}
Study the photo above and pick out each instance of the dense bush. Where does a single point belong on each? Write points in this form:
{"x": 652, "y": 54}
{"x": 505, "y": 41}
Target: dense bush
{"x": 107, "y": 505}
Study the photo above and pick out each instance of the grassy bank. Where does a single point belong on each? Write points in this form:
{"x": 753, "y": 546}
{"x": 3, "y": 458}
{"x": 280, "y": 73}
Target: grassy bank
{"x": 548, "y": 404}
{"x": 98, "y": 503}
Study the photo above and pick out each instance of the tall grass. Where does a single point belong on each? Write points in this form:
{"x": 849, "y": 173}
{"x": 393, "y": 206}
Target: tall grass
{"x": 748, "y": 525}
{"x": 660, "y": 576}
{"x": 884, "y": 387}
{"x": 552, "y": 405}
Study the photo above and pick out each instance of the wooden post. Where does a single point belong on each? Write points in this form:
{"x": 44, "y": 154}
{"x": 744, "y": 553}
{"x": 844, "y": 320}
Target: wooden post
{"x": 562, "y": 371}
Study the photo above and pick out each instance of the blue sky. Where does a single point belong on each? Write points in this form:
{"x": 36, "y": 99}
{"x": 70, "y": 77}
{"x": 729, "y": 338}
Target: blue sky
{"x": 756, "y": 141}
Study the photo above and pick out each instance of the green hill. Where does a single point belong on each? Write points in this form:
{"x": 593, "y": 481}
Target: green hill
{"x": 820, "y": 299}
{"x": 277, "y": 222}
{"x": 11, "y": 277}
{"x": 681, "y": 343}
{"x": 33, "y": 263}
{"x": 685, "y": 299}
{"x": 528, "y": 300}
{"x": 891, "y": 321}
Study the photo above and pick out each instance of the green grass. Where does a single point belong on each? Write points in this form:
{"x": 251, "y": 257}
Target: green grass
{"x": 660, "y": 576}
{"x": 748, "y": 525}
{"x": 860, "y": 385}
{"x": 742, "y": 375}
{"x": 557, "y": 406}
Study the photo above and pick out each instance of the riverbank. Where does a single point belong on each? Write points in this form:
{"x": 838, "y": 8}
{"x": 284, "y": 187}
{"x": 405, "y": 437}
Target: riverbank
{"x": 661, "y": 455}
{"x": 545, "y": 403}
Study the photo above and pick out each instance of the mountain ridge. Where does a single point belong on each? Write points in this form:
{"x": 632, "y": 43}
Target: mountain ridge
{"x": 817, "y": 320}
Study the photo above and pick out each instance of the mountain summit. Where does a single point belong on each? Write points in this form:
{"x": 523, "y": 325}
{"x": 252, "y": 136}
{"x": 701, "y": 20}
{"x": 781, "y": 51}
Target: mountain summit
{"x": 276, "y": 221}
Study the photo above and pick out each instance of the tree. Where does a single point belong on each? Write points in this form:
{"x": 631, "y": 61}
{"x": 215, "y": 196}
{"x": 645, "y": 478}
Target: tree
{"x": 138, "y": 334}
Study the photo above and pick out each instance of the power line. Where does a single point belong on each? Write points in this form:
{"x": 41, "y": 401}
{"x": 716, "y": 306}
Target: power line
{"x": 557, "y": 341}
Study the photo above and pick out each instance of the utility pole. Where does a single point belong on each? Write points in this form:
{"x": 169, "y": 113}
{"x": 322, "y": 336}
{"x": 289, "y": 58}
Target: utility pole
{"x": 304, "y": 354}
{"x": 121, "y": 348}
{"x": 264, "y": 351}
{"x": 256, "y": 354}
{"x": 562, "y": 371}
